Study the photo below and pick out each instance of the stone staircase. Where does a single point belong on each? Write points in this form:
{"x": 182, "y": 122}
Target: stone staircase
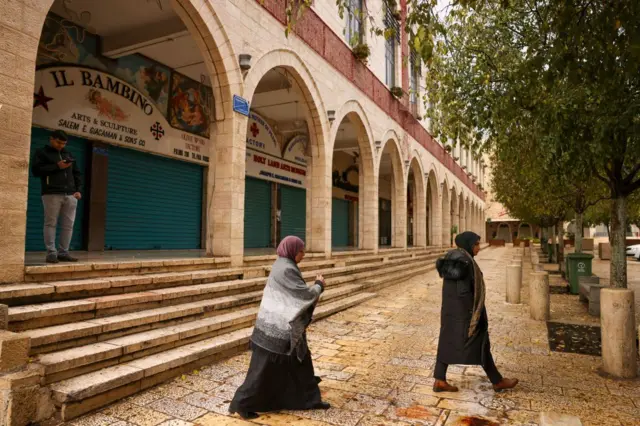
{"x": 100, "y": 332}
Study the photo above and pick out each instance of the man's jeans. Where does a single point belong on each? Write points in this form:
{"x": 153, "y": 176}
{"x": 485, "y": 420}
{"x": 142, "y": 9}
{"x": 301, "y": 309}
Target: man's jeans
{"x": 64, "y": 207}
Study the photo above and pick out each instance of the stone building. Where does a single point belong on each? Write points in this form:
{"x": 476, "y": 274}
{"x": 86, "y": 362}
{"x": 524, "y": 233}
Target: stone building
{"x": 203, "y": 131}
{"x": 155, "y": 99}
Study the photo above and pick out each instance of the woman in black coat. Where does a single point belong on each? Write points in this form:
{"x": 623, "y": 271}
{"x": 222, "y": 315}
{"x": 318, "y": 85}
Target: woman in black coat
{"x": 464, "y": 327}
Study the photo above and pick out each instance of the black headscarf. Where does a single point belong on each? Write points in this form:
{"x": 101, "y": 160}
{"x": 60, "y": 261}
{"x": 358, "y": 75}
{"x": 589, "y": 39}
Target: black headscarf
{"x": 467, "y": 240}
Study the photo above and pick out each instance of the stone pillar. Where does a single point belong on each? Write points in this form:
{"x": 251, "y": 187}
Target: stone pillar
{"x": 368, "y": 211}
{"x": 446, "y": 220}
{"x": 20, "y": 26}
{"x": 617, "y": 318}
{"x": 398, "y": 208}
{"x": 225, "y": 234}
{"x": 514, "y": 283}
{"x": 539, "y": 303}
{"x": 319, "y": 186}
{"x": 420, "y": 212}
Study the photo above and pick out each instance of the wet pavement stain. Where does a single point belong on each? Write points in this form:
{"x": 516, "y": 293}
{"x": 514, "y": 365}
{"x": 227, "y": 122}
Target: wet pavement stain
{"x": 414, "y": 412}
{"x": 573, "y": 338}
{"x": 475, "y": 421}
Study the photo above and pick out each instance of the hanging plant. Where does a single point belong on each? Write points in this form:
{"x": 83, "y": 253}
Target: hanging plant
{"x": 361, "y": 51}
{"x": 397, "y": 92}
{"x": 447, "y": 148}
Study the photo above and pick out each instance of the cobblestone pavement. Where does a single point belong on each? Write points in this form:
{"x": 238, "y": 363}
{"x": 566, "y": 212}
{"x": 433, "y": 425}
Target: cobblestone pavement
{"x": 376, "y": 362}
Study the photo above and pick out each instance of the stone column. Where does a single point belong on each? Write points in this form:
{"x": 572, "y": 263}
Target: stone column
{"x": 319, "y": 205}
{"x": 225, "y": 226}
{"x": 420, "y": 214}
{"x": 20, "y": 27}
{"x": 539, "y": 303}
{"x": 617, "y": 318}
{"x": 446, "y": 220}
{"x": 514, "y": 283}
{"x": 368, "y": 211}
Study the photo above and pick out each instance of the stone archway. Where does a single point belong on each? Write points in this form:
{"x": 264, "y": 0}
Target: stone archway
{"x": 392, "y": 184}
{"x": 504, "y": 232}
{"x": 22, "y": 45}
{"x": 318, "y": 178}
{"x": 353, "y": 112}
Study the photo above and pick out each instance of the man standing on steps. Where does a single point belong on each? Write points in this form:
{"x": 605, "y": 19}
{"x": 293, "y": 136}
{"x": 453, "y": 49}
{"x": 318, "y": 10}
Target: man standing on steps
{"x": 61, "y": 184}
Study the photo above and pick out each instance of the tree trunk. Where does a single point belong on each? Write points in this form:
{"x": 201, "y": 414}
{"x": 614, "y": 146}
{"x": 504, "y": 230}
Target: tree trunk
{"x": 578, "y": 238}
{"x": 554, "y": 252}
{"x": 608, "y": 231}
{"x": 560, "y": 258}
{"x": 618, "y": 267}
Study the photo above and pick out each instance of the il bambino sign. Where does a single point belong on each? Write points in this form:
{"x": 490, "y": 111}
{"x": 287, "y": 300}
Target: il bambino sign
{"x": 96, "y": 105}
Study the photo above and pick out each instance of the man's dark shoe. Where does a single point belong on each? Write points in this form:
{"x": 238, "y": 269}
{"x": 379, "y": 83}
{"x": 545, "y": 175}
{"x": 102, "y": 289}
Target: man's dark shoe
{"x": 66, "y": 257}
{"x": 505, "y": 384}
{"x": 442, "y": 386}
{"x": 52, "y": 258}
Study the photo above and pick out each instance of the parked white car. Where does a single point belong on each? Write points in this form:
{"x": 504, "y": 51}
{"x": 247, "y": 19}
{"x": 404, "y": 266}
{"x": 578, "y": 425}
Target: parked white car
{"x": 634, "y": 251}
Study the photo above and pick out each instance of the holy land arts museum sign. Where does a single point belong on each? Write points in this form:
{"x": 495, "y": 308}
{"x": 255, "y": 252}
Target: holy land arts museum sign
{"x": 265, "y": 160}
{"x": 96, "y": 105}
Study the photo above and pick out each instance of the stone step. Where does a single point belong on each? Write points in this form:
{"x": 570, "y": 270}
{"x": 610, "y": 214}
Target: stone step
{"x": 68, "y": 360}
{"x": 155, "y": 340}
{"x": 65, "y": 271}
{"x": 84, "y": 393}
{"x": 54, "y": 313}
{"x": 59, "y": 337}
{"x": 31, "y": 293}
{"x": 19, "y": 293}
{"x": 396, "y": 277}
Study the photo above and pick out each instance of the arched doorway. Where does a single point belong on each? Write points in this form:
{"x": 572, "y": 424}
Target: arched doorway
{"x": 138, "y": 115}
{"x": 524, "y": 231}
{"x": 416, "y": 205}
{"x": 354, "y": 207}
{"x": 284, "y": 147}
{"x": 504, "y": 233}
{"x": 392, "y": 194}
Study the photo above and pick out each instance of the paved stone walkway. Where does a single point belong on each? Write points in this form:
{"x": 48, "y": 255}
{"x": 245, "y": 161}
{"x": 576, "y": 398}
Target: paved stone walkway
{"x": 376, "y": 363}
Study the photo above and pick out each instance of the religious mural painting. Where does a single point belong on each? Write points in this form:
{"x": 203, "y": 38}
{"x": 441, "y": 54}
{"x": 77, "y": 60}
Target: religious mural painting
{"x": 190, "y": 106}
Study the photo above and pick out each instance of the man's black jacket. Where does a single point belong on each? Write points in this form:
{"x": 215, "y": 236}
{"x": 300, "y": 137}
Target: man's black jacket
{"x": 54, "y": 179}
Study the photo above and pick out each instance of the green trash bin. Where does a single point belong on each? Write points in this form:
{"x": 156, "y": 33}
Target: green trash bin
{"x": 578, "y": 265}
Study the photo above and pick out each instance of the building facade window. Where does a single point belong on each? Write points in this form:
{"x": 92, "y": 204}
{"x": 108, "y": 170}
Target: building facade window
{"x": 414, "y": 79}
{"x": 392, "y": 37}
{"x": 353, "y": 29}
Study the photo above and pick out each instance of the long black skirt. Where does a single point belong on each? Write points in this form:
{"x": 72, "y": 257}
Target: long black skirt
{"x": 277, "y": 382}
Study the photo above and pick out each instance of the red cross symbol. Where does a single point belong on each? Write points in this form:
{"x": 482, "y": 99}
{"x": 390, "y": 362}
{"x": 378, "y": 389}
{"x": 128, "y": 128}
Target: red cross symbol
{"x": 254, "y": 130}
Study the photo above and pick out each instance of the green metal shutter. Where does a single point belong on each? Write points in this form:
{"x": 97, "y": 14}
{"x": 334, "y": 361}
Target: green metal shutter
{"x": 293, "y": 217}
{"x": 384, "y": 216}
{"x": 152, "y": 202}
{"x": 257, "y": 213}
{"x": 339, "y": 222}
{"x": 35, "y": 211}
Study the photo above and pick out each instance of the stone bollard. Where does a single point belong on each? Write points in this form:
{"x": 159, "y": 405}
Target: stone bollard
{"x": 514, "y": 283}
{"x": 539, "y": 303}
{"x": 617, "y": 318}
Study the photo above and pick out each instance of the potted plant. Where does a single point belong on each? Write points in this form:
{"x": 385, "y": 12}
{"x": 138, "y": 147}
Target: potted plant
{"x": 361, "y": 51}
{"x": 397, "y": 92}
{"x": 447, "y": 148}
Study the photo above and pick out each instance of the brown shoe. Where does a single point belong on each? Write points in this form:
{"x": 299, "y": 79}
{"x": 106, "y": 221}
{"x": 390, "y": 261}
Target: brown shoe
{"x": 505, "y": 384}
{"x": 442, "y": 386}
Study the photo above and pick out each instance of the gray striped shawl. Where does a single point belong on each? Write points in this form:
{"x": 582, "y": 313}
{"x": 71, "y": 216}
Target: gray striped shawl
{"x": 285, "y": 311}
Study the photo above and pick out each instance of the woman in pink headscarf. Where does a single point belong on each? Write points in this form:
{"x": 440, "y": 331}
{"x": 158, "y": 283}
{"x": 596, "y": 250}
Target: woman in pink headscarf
{"x": 281, "y": 375}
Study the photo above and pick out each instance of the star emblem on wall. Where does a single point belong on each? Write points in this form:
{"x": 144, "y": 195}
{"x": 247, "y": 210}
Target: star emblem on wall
{"x": 40, "y": 99}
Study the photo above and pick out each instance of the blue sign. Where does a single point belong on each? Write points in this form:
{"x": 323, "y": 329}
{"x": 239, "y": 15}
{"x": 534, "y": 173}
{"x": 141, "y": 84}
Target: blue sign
{"x": 240, "y": 105}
